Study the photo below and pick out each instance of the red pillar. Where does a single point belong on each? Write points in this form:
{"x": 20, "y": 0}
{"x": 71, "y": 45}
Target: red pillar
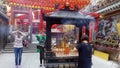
{"x": 12, "y": 21}
{"x": 12, "y": 15}
{"x": 96, "y": 24}
{"x": 90, "y": 31}
{"x": 83, "y": 30}
{"x": 96, "y": 15}
{"x": 30, "y": 14}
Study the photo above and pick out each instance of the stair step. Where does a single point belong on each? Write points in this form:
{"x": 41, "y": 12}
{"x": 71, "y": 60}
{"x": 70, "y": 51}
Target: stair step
{"x": 23, "y": 51}
{"x": 31, "y": 47}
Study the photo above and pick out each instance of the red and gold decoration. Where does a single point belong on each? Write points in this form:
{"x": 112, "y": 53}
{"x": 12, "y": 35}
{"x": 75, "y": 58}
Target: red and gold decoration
{"x": 49, "y": 4}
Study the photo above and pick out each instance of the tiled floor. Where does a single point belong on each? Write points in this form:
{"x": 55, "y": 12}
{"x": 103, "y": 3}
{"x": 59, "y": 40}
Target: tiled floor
{"x": 31, "y": 60}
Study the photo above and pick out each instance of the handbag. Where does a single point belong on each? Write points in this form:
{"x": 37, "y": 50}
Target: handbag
{"x": 25, "y": 42}
{"x": 39, "y": 47}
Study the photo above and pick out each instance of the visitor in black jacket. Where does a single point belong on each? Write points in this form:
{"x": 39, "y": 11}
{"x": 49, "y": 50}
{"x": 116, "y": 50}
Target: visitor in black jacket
{"x": 85, "y": 53}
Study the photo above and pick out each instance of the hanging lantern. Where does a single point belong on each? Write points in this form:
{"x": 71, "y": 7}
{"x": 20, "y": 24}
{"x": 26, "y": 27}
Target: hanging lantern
{"x": 26, "y": 5}
{"x": 38, "y": 7}
{"x": 14, "y": 3}
{"x": 17, "y": 4}
{"x": 20, "y": 4}
{"x": 11, "y": 3}
{"x": 33, "y": 6}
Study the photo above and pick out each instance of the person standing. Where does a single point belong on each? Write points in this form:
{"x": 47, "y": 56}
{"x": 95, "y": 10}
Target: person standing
{"x": 85, "y": 53}
{"x": 40, "y": 47}
{"x": 18, "y": 47}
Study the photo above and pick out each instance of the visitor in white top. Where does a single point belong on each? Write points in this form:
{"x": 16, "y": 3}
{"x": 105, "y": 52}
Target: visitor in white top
{"x": 18, "y": 47}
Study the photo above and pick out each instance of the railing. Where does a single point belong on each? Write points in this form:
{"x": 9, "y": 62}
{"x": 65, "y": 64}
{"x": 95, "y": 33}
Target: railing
{"x": 103, "y": 5}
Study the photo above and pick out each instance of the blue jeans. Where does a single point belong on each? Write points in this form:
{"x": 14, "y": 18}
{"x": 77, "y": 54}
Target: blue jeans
{"x": 18, "y": 55}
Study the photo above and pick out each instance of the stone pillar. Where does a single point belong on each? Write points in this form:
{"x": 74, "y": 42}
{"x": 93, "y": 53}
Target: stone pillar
{"x": 30, "y": 17}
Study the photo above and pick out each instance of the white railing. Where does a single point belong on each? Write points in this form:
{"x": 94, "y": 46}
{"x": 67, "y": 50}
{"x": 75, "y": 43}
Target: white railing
{"x": 109, "y": 7}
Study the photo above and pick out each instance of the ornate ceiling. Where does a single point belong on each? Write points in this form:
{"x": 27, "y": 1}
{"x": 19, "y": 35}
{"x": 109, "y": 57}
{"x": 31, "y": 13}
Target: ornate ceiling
{"x": 49, "y": 4}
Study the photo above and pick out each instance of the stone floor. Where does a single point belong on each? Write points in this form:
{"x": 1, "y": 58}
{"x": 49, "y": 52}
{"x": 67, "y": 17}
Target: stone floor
{"x": 31, "y": 60}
